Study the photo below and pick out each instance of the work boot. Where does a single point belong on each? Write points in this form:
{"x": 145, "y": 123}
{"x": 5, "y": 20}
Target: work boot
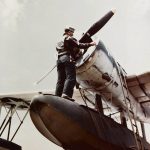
{"x": 67, "y": 97}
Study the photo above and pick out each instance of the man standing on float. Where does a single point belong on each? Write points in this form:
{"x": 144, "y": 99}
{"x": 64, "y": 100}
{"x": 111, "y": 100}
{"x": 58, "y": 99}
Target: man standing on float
{"x": 68, "y": 51}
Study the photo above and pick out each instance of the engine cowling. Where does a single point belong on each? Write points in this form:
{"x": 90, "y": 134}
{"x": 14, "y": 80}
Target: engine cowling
{"x": 98, "y": 72}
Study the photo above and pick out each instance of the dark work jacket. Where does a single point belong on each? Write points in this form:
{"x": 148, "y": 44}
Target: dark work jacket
{"x": 72, "y": 46}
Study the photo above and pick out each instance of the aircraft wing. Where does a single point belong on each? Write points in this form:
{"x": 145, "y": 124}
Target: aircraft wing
{"x": 139, "y": 86}
{"x": 21, "y": 100}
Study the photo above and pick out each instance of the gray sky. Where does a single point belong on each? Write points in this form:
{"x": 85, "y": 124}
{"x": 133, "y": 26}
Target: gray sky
{"x": 29, "y": 30}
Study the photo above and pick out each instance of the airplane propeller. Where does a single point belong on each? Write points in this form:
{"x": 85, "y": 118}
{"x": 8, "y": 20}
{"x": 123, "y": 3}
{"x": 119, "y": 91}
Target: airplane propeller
{"x": 86, "y": 38}
{"x": 96, "y": 27}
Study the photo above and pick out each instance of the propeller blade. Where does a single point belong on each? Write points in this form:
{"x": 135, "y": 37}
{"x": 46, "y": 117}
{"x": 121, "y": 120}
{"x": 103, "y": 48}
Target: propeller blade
{"x": 96, "y": 27}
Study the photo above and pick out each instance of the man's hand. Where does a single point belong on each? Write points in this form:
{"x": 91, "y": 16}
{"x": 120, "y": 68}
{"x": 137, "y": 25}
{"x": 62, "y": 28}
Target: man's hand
{"x": 93, "y": 43}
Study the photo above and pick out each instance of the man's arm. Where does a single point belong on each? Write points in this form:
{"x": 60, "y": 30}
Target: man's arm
{"x": 86, "y": 45}
{"x": 73, "y": 42}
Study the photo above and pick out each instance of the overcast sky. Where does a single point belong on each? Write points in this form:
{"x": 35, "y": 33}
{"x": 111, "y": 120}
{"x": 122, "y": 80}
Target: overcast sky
{"x": 29, "y": 30}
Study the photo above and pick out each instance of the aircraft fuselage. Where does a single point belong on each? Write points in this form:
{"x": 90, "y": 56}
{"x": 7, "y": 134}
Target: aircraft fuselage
{"x": 98, "y": 72}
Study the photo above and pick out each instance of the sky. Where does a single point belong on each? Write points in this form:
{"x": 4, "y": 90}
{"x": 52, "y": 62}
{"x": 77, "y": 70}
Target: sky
{"x": 30, "y": 29}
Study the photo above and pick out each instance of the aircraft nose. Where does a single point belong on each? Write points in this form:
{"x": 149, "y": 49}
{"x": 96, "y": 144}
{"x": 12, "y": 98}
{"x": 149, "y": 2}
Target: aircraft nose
{"x": 42, "y": 116}
{"x": 51, "y": 104}
{"x": 62, "y": 121}
{"x": 52, "y": 117}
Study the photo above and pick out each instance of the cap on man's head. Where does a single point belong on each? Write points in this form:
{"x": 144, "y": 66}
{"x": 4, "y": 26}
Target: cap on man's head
{"x": 69, "y": 29}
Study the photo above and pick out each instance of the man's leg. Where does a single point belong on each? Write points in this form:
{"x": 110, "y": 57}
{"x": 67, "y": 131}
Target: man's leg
{"x": 70, "y": 79}
{"x": 61, "y": 78}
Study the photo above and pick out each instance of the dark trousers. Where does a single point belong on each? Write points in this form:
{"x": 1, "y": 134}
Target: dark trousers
{"x": 66, "y": 78}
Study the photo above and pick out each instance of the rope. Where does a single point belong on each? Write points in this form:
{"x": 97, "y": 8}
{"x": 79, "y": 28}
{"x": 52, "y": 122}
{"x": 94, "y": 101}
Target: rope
{"x": 45, "y": 75}
{"x": 128, "y": 112}
{"x": 94, "y": 119}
